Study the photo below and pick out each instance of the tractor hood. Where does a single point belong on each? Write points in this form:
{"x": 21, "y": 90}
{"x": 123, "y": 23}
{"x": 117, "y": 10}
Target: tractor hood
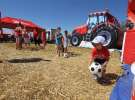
{"x": 81, "y": 30}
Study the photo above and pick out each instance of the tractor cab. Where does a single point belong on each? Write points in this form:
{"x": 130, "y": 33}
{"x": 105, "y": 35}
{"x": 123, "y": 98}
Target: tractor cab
{"x": 93, "y": 20}
{"x": 97, "y": 18}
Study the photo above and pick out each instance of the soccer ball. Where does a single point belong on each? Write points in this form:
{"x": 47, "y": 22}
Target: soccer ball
{"x": 96, "y": 70}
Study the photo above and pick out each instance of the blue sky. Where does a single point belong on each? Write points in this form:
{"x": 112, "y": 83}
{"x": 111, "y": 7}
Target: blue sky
{"x": 65, "y": 13}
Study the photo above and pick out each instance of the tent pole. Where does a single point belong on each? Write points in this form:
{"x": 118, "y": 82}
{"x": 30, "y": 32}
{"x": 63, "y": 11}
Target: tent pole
{"x": 1, "y": 30}
{"x": 0, "y": 20}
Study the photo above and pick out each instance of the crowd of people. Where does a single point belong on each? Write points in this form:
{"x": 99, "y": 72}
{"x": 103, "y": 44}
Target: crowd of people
{"x": 23, "y": 36}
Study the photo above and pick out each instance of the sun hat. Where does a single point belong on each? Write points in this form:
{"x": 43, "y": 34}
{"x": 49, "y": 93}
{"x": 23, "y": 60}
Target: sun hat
{"x": 98, "y": 39}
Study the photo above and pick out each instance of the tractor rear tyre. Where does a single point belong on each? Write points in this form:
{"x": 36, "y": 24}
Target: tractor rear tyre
{"x": 109, "y": 33}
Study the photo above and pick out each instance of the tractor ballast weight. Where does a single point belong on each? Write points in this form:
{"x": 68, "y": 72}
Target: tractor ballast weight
{"x": 99, "y": 23}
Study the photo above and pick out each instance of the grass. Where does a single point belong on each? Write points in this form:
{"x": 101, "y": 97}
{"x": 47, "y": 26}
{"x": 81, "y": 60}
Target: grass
{"x": 41, "y": 75}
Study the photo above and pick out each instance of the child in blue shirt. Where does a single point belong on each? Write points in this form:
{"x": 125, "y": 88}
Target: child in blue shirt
{"x": 58, "y": 41}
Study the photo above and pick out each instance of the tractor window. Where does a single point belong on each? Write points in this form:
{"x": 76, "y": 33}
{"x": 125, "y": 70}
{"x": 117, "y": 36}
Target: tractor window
{"x": 92, "y": 21}
{"x": 101, "y": 19}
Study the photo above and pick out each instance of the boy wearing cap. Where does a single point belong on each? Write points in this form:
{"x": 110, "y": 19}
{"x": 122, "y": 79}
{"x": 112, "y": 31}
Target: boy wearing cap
{"x": 58, "y": 41}
{"x": 100, "y": 53}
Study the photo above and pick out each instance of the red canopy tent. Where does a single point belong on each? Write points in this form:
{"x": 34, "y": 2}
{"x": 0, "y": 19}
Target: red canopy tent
{"x": 9, "y": 22}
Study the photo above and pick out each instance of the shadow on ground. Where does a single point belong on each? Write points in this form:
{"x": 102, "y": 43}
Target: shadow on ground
{"x": 1, "y": 61}
{"x": 110, "y": 78}
{"x": 72, "y": 54}
{"x": 34, "y": 49}
{"x": 27, "y": 60}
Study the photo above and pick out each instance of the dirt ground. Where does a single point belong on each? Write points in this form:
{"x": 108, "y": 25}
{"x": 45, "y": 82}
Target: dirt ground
{"x": 32, "y": 74}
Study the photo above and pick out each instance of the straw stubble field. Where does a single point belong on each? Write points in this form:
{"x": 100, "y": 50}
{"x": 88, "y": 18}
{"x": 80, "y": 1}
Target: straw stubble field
{"x": 40, "y": 75}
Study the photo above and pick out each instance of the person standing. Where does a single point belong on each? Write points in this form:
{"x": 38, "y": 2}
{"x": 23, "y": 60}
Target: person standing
{"x": 1, "y": 35}
{"x": 43, "y": 38}
{"x": 18, "y": 35}
{"x": 58, "y": 41}
{"x": 65, "y": 43}
{"x": 26, "y": 38}
{"x": 36, "y": 36}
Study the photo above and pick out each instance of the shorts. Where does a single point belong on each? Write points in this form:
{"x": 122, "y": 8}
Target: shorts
{"x": 26, "y": 40}
{"x": 100, "y": 61}
{"x": 65, "y": 44}
{"x": 36, "y": 40}
{"x": 19, "y": 39}
{"x": 58, "y": 42}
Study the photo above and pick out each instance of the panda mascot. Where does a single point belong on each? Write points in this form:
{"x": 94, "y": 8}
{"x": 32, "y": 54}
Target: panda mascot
{"x": 96, "y": 70}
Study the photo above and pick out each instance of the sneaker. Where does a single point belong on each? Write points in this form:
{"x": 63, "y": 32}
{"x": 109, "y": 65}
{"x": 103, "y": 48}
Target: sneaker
{"x": 65, "y": 56}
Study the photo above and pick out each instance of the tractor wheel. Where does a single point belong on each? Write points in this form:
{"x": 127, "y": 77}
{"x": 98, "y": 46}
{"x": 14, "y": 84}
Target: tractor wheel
{"x": 109, "y": 33}
{"x": 75, "y": 40}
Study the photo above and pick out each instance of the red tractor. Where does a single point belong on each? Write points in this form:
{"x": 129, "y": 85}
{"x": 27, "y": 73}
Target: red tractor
{"x": 99, "y": 24}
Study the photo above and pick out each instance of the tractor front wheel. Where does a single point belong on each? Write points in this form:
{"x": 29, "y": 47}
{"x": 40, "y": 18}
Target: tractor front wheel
{"x": 75, "y": 40}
